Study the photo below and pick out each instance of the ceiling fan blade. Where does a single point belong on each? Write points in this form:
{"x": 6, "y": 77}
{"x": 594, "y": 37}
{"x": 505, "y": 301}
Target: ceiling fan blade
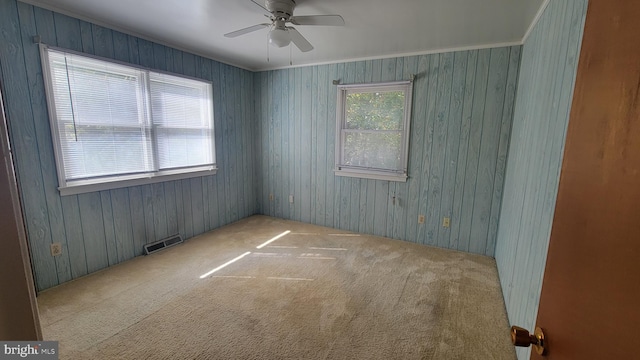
{"x": 246, "y": 30}
{"x": 326, "y": 20}
{"x": 299, "y": 40}
{"x": 261, "y": 6}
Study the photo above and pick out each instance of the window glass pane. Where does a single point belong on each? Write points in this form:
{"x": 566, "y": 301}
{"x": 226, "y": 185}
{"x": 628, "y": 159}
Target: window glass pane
{"x": 375, "y": 110}
{"x": 183, "y": 147}
{"x": 379, "y": 150}
{"x": 105, "y": 93}
{"x": 100, "y": 111}
{"x": 99, "y": 153}
{"x": 182, "y": 117}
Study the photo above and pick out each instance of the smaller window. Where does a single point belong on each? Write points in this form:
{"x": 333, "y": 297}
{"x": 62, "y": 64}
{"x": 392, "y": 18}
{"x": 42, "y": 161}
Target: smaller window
{"x": 372, "y": 130}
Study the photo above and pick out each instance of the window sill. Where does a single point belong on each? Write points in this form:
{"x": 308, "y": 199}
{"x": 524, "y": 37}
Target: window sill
{"x": 374, "y": 175}
{"x": 86, "y": 186}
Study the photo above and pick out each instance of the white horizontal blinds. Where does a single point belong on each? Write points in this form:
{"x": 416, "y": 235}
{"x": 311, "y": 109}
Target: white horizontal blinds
{"x": 100, "y": 110}
{"x": 373, "y": 128}
{"x": 182, "y": 115}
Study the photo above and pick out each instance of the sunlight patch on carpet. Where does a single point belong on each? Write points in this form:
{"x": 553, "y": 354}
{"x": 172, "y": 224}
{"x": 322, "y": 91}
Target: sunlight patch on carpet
{"x": 272, "y": 239}
{"x": 225, "y": 265}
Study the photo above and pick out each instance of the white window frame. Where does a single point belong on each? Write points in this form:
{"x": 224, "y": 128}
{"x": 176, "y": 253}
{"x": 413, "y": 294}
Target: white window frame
{"x": 373, "y": 173}
{"x": 116, "y": 181}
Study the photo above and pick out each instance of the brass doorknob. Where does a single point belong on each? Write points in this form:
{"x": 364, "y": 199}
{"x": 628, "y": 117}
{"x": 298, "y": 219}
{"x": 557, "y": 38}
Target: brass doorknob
{"x": 521, "y": 337}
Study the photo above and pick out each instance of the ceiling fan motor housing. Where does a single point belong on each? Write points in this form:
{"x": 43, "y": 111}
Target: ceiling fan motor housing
{"x": 281, "y": 9}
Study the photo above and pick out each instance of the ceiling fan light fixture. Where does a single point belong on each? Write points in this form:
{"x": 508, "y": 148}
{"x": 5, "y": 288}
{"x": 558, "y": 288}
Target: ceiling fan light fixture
{"x": 279, "y": 37}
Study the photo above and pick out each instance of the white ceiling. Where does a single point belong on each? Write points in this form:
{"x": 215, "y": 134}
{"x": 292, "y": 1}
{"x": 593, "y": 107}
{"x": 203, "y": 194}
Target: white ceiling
{"x": 374, "y": 28}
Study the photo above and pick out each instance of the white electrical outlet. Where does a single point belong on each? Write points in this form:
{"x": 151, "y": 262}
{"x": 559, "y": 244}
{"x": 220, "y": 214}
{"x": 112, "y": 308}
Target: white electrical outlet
{"x": 446, "y": 222}
{"x": 291, "y": 199}
{"x": 420, "y": 219}
{"x": 270, "y": 197}
{"x": 56, "y": 249}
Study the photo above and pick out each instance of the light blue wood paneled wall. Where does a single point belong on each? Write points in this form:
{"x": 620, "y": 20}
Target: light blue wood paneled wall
{"x": 104, "y": 228}
{"x": 545, "y": 90}
{"x": 460, "y": 128}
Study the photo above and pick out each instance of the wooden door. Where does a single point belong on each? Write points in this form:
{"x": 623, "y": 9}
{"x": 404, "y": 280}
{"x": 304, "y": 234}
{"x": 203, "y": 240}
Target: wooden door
{"x": 18, "y": 309}
{"x": 590, "y": 302}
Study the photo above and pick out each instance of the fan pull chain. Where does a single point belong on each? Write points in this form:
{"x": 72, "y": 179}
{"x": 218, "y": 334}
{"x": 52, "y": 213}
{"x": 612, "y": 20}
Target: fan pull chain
{"x": 290, "y": 61}
{"x": 267, "y": 47}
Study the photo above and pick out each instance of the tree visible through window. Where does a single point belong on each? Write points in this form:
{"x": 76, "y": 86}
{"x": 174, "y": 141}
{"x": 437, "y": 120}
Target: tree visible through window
{"x": 372, "y": 130}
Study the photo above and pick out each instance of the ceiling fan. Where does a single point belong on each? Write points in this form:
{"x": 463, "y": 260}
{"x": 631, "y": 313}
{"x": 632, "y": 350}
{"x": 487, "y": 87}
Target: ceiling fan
{"x": 281, "y": 12}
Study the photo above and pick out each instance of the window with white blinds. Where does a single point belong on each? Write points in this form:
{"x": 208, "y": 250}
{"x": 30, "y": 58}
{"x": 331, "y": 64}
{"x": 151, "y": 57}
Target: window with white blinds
{"x": 183, "y": 136}
{"x": 117, "y": 125}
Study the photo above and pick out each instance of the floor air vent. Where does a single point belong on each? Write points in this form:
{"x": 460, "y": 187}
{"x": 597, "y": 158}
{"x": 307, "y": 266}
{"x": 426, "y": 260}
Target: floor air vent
{"x": 162, "y": 244}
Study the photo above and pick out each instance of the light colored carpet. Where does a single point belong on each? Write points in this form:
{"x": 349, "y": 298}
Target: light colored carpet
{"x": 314, "y": 293}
